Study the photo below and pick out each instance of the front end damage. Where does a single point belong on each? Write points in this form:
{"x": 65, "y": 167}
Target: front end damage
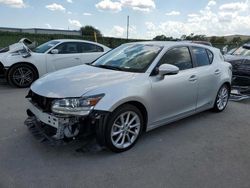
{"x": 54, "y": 129}
{"x": 2, "y": 71}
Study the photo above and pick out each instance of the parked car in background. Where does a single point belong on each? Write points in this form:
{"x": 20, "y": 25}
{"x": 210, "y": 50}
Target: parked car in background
{"x": 230, "y": 52}
{"x": 134, "y": 88}
{"x": 240, "y": 60}
{"x": 21, "y": 66}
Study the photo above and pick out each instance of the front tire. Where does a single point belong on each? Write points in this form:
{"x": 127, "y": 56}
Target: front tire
{"x": 22, "y": 75}
{"x": 221, "y": 98}
{"x": 123, "y": 128}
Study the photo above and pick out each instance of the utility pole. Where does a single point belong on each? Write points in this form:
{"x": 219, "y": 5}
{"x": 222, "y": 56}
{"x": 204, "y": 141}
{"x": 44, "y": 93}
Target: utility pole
{"x": 127, "y": 26}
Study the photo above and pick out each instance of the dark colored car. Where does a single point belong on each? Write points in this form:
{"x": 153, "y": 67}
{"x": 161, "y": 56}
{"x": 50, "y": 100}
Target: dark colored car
{"x": 240, "y": 60}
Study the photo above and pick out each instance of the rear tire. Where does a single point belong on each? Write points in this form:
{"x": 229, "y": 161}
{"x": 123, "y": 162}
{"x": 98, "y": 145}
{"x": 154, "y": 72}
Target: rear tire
{"x": 221, "y": 98}
{"x": 21, "y": 75}
{"x": 123, "y": 128}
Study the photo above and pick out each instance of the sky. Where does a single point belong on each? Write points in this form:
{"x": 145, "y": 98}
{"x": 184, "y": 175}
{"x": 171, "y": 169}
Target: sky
{"x": 148, "y": 18}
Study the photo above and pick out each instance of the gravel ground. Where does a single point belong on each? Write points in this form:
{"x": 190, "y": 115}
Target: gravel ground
{"x": 205, "y": 150}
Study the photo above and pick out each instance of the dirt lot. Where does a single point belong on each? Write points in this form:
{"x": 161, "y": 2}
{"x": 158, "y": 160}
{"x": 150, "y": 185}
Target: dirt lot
{"x": 205, "y": 150}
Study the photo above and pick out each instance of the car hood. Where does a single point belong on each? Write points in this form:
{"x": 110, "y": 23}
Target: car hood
{"x": 233, "y": 57}
{"x": 76, "y": 81}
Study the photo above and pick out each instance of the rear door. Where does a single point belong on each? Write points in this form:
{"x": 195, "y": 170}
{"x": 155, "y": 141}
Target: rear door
{"x": 208, "y": 74}
{"x": 89, "y": 52}
{"x": 174, "y": 95}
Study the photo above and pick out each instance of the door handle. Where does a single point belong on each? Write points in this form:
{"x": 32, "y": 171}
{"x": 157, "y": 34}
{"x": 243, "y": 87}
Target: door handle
{"x": 217, "y": 71}
{"x": 192, "y": 78}
{"x": 77, "y": 58}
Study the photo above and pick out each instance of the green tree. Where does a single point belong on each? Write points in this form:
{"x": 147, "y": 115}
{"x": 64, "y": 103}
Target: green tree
{"x": 183, "y": 37}
{"x": 192, "y": 36}
{"x": 221, "y": 40}
{"x": 163, "y": 38}
{"x": 218, "y": 40}
{"x": 236, "y": 40}
{"x": 213, "y": 39}
{"x": 89, "y": 30}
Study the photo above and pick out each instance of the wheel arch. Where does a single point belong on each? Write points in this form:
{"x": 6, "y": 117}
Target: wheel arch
{"x": 24, "y": 63}
{"x": 228, "y": 85}
{"x": 142, "y": 109}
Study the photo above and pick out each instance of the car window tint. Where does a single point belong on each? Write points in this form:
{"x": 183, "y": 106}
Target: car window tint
{"x": 210, "y": 56}
{"x": 67, "y": 48}
{"x": 88, "y": 48}
{"x": 179, "y": 57}
{"x": 201, "y": 56}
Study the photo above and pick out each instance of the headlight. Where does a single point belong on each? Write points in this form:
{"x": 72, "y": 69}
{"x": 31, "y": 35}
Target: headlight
{"x": 75, "y": 106}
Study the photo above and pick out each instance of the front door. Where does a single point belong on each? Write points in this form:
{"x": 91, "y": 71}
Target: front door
{"x": 68, "y": 56}
{"x": 174, "y": 95}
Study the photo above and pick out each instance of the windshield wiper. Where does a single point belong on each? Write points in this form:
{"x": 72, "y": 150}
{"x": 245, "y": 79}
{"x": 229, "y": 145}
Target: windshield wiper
{"x": 109, "y": 67}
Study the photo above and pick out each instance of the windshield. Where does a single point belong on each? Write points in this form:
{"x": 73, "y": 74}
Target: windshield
{"x": 45, "y": 47}
{"x": 242, "y": 52}
{"x": 129, "y": 57}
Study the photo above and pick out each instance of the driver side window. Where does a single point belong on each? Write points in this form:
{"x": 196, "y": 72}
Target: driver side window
{"x": 179, "y": 56}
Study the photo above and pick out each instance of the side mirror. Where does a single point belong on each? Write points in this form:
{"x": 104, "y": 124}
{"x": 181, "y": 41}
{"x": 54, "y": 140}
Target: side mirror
{"x": 167, "y": 69}
{"x": 54, "y": 51}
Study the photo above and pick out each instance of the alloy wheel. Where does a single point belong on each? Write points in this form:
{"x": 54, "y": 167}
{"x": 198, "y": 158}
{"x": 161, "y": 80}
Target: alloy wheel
{"x": 222, "y": 98}
{"x": 125, "y": 129}
{"x": 23, "y": 76}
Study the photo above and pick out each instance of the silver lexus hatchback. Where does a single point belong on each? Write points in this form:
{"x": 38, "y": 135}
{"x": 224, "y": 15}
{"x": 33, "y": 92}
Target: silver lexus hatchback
{"x": 132, "y": 89}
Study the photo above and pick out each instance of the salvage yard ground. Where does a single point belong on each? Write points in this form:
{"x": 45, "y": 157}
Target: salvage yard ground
{"x": 205, "y": 150}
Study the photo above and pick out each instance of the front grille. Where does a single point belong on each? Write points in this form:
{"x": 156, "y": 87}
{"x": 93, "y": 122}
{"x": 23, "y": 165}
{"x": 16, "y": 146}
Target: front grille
{"x": 42, "y": 102}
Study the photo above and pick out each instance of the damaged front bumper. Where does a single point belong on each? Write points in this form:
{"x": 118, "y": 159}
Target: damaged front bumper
{"x": 3, "y": 71}
{"x": 56, "y": 130}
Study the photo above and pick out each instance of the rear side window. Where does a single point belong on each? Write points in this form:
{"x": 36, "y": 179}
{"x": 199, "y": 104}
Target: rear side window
{"x": 210, "y": 56}
{"x": 179, "y": 56}
{"x": 88, "y": 48}
{"x": 201, "y": 55}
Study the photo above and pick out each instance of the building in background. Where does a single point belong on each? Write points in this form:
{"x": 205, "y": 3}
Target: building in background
{"x": 41, "y": 31}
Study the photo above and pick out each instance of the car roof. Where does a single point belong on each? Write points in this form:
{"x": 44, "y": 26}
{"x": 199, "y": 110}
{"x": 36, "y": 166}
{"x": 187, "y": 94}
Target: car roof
{"x": 169, "y": 44}
{"x": 78, "y": 40}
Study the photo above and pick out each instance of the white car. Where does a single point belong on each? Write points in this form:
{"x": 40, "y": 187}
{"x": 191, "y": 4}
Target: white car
{"x": 21, "y": 66}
